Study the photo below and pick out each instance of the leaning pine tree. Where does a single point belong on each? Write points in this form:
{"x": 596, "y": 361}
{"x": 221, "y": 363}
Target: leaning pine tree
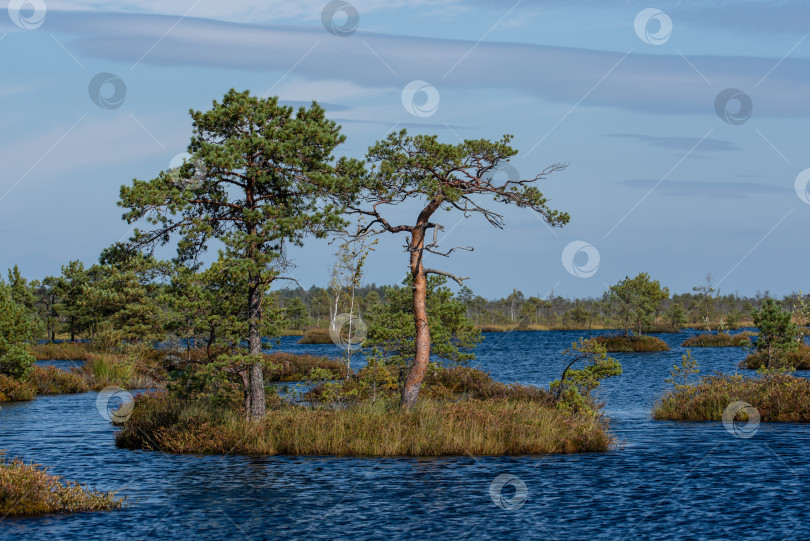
{"x": 437, "y": 176}
{"x": 256, "y": 181}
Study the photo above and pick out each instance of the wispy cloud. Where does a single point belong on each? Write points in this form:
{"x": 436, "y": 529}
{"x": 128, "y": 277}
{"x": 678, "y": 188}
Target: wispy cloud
{"x": 712, "y": 189}
{"x": 680, "y": 143}
{"x": 657, "y": 83}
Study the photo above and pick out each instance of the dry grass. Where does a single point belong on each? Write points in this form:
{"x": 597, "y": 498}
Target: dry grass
{"x": 632, "y": 343}
{"x": 27, "y": 490}
{"x": 52, "y": 380}
{"x": 63, "y": 351}
{"x": 777, "y": 398}
{"x": 432, "y": 428}
{"x": 719, "y": 340}
{"x": 316, "y": 335}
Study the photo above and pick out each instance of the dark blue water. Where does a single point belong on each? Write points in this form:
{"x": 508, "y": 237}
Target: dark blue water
{"x": 668, "y": 481}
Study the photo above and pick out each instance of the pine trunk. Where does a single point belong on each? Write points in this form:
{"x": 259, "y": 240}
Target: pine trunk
{"x": 416, "y": 375}
{"x": 254, "y": 393}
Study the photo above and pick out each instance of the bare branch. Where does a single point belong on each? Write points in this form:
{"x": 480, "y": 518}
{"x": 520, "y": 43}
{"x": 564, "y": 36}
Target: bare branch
{"x": 458, "y": 279}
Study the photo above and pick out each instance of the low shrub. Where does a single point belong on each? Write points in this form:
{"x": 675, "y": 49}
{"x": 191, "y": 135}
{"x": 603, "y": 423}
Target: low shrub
{"x": 52, "y": 380}
{"x": 295, "y": 367}
{"x": 631, "y": 343}
{"x": 27, "y": 490}
{"x": 795, "y": 360}
{"x": 14, "y": 390}
{"x": 719, "y": 340}
{"x": 777, "y": 398}
{"x": 431, "y": 428}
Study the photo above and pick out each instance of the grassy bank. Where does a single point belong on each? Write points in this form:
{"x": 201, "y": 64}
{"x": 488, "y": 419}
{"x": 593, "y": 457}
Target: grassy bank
{"x": 432, "y": 428}
{"x": 27, "y": 490}
{"x": 632, "y": 343}
{"x": 797, "y": 360}
{"x": 62, "y": 351}
{"x": 316, "y": 335}
{"x": 719, "y": 340}
{"x": 777, "y": 398}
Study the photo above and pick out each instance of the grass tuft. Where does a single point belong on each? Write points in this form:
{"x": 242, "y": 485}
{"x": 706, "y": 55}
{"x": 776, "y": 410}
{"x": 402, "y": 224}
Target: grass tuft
{"x": 316, "y": 335}
{"x": 777, "y": 398}
{"x": 27, "y": 490}
{"x": 431, "y": 428}
{"x": 52, "y": 380}
{"x": 719, "y": 340}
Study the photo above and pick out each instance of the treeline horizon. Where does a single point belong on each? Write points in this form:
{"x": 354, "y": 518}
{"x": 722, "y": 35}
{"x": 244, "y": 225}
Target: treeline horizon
{"x": 80, "y": 300}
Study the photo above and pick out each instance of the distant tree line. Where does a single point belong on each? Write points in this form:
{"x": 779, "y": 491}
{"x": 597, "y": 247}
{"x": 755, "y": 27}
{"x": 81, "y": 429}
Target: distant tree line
{"x": 144, "y": 299}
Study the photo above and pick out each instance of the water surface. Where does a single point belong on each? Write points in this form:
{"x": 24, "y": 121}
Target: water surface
{"x": 669, "y": 480}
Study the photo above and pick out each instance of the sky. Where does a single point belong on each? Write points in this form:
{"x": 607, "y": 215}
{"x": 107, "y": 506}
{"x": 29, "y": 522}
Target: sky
{"x": 683, "y": 124}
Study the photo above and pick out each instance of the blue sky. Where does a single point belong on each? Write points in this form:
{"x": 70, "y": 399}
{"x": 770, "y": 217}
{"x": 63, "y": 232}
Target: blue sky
{"x": 657, "y": 182}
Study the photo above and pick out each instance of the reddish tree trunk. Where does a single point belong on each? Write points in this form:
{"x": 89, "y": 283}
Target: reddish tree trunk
{"x": 410, "y": 392}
